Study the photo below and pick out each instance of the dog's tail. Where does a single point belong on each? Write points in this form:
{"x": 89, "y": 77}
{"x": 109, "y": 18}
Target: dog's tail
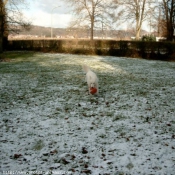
{"x": 85, "y": 68}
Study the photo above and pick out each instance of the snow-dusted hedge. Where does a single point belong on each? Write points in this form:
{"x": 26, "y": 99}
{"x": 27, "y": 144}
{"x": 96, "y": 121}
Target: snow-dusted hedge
{"x": 149, "y": 50}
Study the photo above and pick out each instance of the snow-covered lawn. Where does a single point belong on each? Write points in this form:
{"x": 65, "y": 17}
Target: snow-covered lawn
{"x": 49, "y": 124}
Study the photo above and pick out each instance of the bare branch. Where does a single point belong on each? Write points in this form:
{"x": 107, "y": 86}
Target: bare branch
{"x": 90, "y": 12}
{"x": 133, "y": 10}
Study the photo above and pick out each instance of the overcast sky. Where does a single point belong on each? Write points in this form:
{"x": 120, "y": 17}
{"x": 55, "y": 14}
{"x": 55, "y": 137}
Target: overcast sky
{"x": 55, "y": 13}
{"x": 40, "y": 12}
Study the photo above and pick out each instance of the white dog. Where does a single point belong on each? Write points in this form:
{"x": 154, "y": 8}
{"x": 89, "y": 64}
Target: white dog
{"x": 91, "y": 78}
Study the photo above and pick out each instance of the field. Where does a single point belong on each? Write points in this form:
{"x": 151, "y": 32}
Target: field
{"x": 49, "y": 124}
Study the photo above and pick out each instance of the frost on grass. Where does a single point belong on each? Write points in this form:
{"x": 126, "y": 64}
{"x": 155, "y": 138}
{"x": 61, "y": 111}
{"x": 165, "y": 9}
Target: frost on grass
{"x": 49, "y": 122}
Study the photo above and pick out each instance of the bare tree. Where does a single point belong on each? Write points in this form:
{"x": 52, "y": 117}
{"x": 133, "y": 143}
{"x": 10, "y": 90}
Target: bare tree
{"x": 168, "y": 8}
{"x": 11, "y": 18}
{"x": 92, "y": 13}
{"x": 2, "y": 11}
{"x": 14, "y": 15}
{"x": 136, "y": 11}
{"x": 157, "y": 21}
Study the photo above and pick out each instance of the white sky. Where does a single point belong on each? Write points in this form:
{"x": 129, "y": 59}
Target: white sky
{"x": 48, "y": 12}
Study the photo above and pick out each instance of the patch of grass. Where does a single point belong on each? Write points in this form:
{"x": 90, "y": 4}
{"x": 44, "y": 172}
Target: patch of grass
{"x": 18, "y": 54}
{"x": 117, "y": 117}
{"x": 38, "y": 145}
{"x": 47, "y": 99}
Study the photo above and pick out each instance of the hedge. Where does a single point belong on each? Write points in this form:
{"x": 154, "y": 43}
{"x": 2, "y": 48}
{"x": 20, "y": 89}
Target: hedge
{"x": 142, "y": 49}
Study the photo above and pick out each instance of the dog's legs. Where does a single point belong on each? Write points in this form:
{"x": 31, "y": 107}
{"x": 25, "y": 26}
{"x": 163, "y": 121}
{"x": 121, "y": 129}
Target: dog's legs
{"x": 89, "y": 89}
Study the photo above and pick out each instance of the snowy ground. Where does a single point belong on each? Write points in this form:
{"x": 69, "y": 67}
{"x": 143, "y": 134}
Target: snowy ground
{"x": 50, "y": 125}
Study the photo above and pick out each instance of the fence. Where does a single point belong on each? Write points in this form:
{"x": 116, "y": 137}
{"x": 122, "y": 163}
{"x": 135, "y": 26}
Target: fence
{"x": 149, "y": 50}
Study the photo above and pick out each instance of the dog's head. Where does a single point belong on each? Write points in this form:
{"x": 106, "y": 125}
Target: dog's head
{"x": 92, "y": 85}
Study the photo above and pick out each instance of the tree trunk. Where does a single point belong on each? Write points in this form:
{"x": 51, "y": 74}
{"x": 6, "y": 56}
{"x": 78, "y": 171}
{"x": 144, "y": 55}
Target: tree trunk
{"x": 92, "y": 31}
{"x": 137, "y": 34}
{"x": 138, "y": 28}
{"x": 140, "y": 10}
{"x": 171, "y": 23}
{"x": 169, "y": 14}
{"x": 1, "y": 33}
{"x": 92, "y": 21}
{"x": 1, "y": 26}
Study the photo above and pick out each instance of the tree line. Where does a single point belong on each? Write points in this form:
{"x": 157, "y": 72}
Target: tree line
{"x": 100, "y": 14}
{"x": 105, "y": 13}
